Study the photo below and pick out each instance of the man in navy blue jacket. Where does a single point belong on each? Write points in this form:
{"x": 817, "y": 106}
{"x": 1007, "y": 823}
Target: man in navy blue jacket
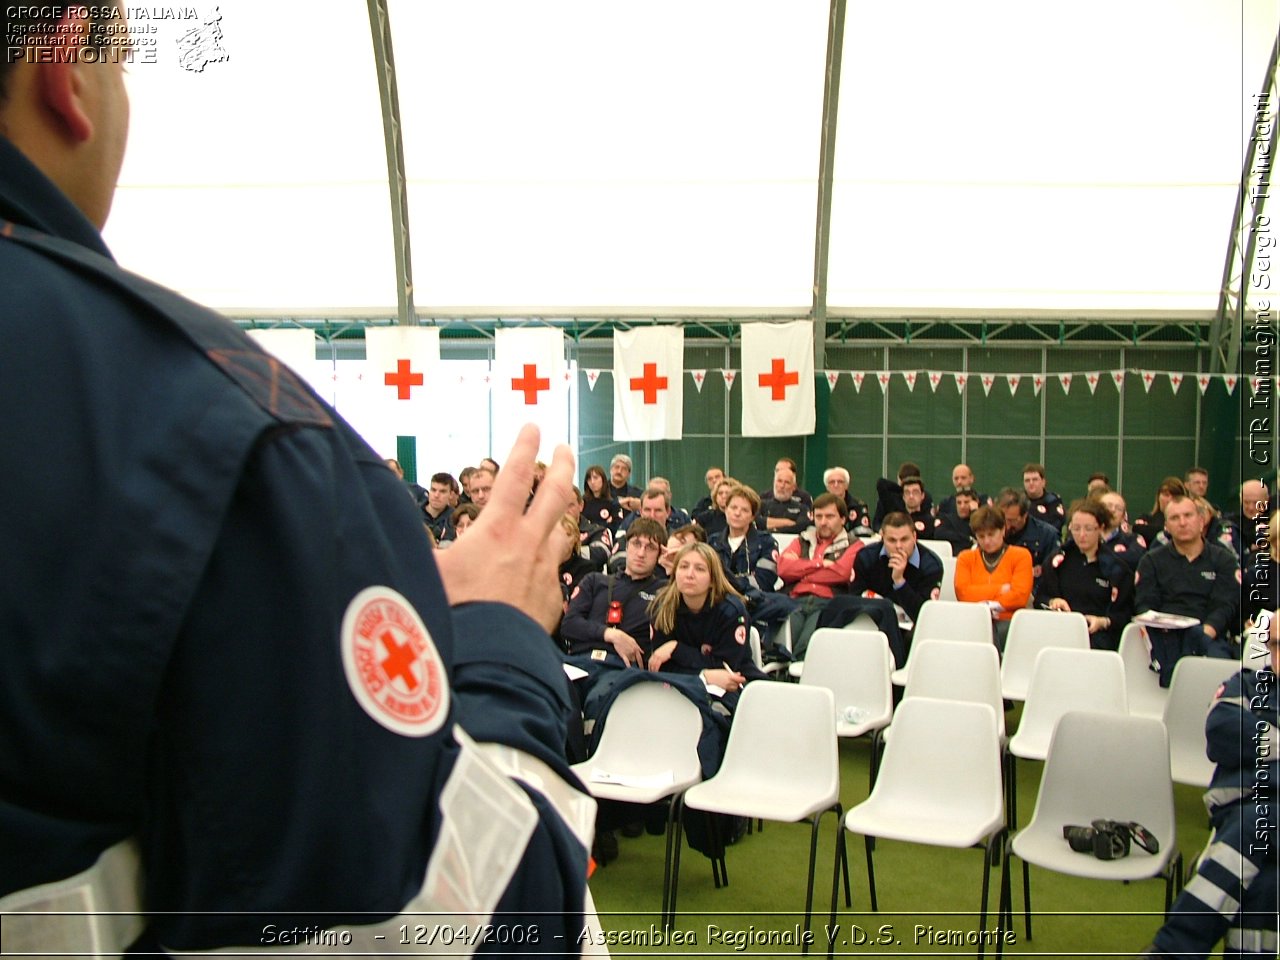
{"x": 242, "y": 703}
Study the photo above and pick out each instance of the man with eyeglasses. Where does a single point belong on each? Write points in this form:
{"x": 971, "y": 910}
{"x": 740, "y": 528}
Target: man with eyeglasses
{"x": 607, "y": 622}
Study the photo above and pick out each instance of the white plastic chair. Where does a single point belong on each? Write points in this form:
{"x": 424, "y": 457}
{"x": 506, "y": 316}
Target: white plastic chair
{"x": 947, "y": 589}
{"x": 1142, "y": 684}
{"x": 798, "y": 778}
{"x": 941, "y": 547}
{"x": 648, "y": 750}
{"x": 948, "y": 620}
{"x": 939, "y": 784}
{"x": 1195, "y": 681}
{"x": 1062, "y": 680}
{"x": 950, "y": 670}
{"x": 1031, "y": 631}
{"x": 854, "y": 665}
{"x": 1100, "y": 766}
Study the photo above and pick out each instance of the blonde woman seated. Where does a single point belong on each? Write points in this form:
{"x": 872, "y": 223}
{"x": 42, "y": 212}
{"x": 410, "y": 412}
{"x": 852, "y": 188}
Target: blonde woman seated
{"x": 993, "y": 572}
{"x": 700, "y": 623}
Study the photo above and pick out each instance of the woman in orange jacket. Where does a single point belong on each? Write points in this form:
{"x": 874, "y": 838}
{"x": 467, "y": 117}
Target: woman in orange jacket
{"x": 994, "y": 572}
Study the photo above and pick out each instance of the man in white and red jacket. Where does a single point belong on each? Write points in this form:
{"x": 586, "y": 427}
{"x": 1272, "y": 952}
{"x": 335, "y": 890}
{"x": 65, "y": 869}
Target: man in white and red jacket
{"x": 817, "y": 566}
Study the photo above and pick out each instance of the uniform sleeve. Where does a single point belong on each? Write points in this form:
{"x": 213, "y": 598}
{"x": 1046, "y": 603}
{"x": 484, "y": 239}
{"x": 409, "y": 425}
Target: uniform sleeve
{"x": 1020, "y": 580}
{"x": 791, "y": 568}
{"x": 1224, "y": 600}
{"x": 765, "y": 575}
{"x": 577, "y": 625}
{"x": 1229, "y": 727}
{"x": 912, "y": 596}
{"x": 1146, "y": 586}
{"x": 1050, "y": 586}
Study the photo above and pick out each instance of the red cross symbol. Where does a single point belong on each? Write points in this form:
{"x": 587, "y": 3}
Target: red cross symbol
{"x": 399, "y": 662}
{"x": 779, "y": 378}
{"x": 650, "y": 383}
{"x": 1149, "y": 377}
{"x": 530, "y": 384}
{"x": 403, "y": 379}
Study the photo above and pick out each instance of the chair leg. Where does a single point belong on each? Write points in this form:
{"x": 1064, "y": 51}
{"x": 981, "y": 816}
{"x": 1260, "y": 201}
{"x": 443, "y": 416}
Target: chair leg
{"x": 673, "y": 838}
{"x": 869, "y": 843}
{"x": 841, "y": 860}
{"x": 1006, "y": 900}
{"x": 1026, "y": 899}
{"x": 874, "y": 770}
{"x": 813, "y": 863}
{"x": 991, "y": 856}
{"x": 1011, "y": 789}
{"x": 675, "y": 869}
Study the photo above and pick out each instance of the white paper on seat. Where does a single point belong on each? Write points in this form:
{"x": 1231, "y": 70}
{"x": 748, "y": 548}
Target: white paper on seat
{"x": 647, "y": 781}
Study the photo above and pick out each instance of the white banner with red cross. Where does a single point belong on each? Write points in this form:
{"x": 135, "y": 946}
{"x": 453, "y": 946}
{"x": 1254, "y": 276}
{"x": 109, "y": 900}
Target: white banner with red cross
{"x": 530, "y": 384}
{"x": 402, "y": 376}
{"x": 648, "y": 384}
{"x": 777, "y": 379}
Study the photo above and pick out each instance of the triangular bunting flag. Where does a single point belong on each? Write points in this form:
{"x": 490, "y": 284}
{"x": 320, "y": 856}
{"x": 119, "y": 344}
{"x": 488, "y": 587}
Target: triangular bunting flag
{"x": 1037, "y": 382}
{"x": 910, "y": 377}
{"x": 1203, "y": 379}
{"x": 729, "y": 377}
{"x": 1092, "y": 379}
{"x": 699, "y": 376}
{"x": 960, "y": 379}
{"x": 1148, "y": 378}
{"x": 592, "y": 377}
{"x": 1065, "y": 380}
{"x": 1230, "y": 380}
{"x": 987, "y": 380}
{"x": 1014, "y": 379}
{"x": 883, "y": 379}
{"x": 935, "y": 378}
{"x": 858, "y": 377}
{"x": 1118, "y": 377}
{"x": 832, "y": 377}
{"x": 1175, "y": 381}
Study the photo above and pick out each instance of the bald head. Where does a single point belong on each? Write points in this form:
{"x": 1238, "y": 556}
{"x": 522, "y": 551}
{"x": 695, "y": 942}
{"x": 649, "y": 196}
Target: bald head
{"x": 1253, "y": 498}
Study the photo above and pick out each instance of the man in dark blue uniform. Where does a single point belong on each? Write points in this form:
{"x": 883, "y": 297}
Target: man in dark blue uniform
{"x": 1233, "y": 894}
{"x": 235, "y": 688}
{"x": 1045, "y": 504}
{"x": 1021, "y": 529}
{"x": 1189, "y": 577}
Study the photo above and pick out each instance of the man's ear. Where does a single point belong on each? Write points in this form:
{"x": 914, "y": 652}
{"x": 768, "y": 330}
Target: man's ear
{"x": 60, "y": 82}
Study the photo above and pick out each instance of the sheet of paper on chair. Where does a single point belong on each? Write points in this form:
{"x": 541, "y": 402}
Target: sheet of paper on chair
{"x": 574, "y": 673}
{"x": 904, "y": 619}
{"x": 1165, "y": 621}
{"x": 634, "y": 780}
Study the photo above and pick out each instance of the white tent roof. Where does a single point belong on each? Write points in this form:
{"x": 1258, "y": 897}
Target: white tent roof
{"x": 579, "y": 157}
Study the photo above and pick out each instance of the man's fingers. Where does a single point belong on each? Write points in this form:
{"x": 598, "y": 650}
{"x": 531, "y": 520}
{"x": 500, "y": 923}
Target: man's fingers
{"x": 555, "y": 492}
{"x": 512, "y": 485}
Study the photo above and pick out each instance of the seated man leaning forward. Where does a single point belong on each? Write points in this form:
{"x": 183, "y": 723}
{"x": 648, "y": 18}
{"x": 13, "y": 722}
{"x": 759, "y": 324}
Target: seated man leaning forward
{"x": 817, "y": 566}
{"x": 901, "y": 573}
{"x": 607, "y": 622}
{"x": 1189, "y": 577}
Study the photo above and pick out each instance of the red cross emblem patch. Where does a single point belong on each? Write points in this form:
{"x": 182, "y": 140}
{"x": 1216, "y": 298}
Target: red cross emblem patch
{"x": 392, "y": 665}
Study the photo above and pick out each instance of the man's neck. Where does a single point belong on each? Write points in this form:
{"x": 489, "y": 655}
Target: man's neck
{"x": 1189, "y": 551}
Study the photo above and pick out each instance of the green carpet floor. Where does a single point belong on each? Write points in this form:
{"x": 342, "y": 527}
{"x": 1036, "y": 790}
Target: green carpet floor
{"x": 928, "y": 896}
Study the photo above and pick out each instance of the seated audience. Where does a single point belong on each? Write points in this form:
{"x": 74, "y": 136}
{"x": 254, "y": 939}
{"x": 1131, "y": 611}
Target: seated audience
{"x": 1097, "y": 484}
{"x": 924, "y": 522}
{"x": 1196, "y": 481}
{"x": 690, "y": 533}
{"x": 889, "y": 494}
{"x": 595, "y": 542}
{"x": 712, "y": 519}
{"x": 836, "y": 480}
{"x": 1149, "y": 526}
{"x": 954, "y": 527}
{"x": 1188, "y": 577}
{"x": 1087, "y": 579}
{"x": 436, "y": 510}
{"x": 607, "y": 622}
{"x": 994, "y": 572}
{"x": 1252, "y": 518}
{"x": 620, "y": 484}
{"x": 897, "y": 572}
{"x": 1261, "y": 573}
{"x": 750, "y": 560}
{"x": 786, "y": 463}
{"x": 962, "y": 478}
{"x": 782, "y": 510}
{"x": 817, "y": 566}
{"x": 599, "y": 505}
{"x": 1023, "y": 530}
{"x": 481, "y": 485}
{"x": 1118, "y": 539}
{"x": 700, "y": 623}
{"x": 1045, "y": 505}
{"x": 713, "y": 477}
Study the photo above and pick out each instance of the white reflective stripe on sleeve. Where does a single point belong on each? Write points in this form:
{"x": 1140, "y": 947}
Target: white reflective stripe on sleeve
{"x": 485, "y": 827}
{"x": 96, "y": 913}
{"x": 1252, "y": 941}
{"x": 576, "y": 809}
